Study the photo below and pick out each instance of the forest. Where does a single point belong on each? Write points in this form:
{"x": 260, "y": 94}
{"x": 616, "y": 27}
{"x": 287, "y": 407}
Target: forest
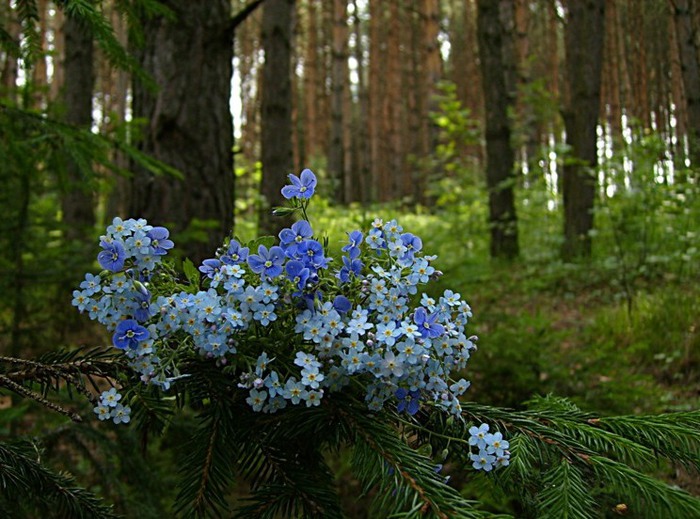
{"x": 350, "y": 258}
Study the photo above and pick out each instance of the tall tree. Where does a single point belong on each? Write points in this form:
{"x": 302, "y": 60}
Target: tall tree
{"x": 77, "y": 203}
{"x": 499, "y": 152}
{"x": 276, "y": 108}
{"x": 361, "y": 190}
{"x": 188, "y": 120}
{"x": 337, "y": 152}
{"x": 584, "y": 37}
{"x": 686, "y": 35}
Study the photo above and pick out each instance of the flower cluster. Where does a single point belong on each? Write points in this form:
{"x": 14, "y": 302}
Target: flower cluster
{"x": 291, "y": 323}
{"x": 109, "y": 407}
{"x": 492, "y": 448}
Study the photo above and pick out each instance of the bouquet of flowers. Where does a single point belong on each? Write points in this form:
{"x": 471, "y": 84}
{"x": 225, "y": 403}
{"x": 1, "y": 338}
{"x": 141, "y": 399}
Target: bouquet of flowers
{"x": 288, "y": 327}
{"x": 292, "y": 324}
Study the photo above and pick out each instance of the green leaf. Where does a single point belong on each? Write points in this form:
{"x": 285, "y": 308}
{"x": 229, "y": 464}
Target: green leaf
{"x": 267, "y": 241}
{"x": 191, "y": 272}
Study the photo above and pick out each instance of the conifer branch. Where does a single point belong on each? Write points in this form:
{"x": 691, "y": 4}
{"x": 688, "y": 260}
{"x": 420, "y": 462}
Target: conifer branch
{"x": 24, "y": 478}
{"x": 28, "y": 393}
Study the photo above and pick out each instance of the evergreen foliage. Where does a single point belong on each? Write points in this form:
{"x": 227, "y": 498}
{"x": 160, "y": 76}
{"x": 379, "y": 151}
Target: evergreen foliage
{"x": 564, "y": 462}
{"x": 29, "y": 487}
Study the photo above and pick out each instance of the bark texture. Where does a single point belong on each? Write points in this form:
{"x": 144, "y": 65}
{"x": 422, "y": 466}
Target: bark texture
{"x": 499, "y": 152}
{"x": 77, "y": 201}
{"x": 276, "y": 109}
{"x": 686, "y": 32}
{"x": 188, "y": 121}
{"x": 585, "y": 29}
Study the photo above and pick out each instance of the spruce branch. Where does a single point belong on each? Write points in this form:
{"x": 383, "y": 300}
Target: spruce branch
{"x": 55, "y": 494}
{"x": 206, "y": 470}
{"x": 649, "y": 497}
{"x": 378, "y": 448}
{"x": 28, "y": 393}
{"x": 565, "y": 494}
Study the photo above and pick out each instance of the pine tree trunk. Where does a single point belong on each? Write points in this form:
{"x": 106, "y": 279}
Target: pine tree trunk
{"x": 375, "y": 93}
{"x": 77, "y": 201}
{"x": 10, "y": 64}
{"x": 431, "y": 74}
{"x": 188, "y": 121}
{"x": 499, "y": 153}
{"x": 361, "y": 146}
{"x": 276, "y": 109}
{"x": 311, "y": 95}
{"x": 339, "y": 86}
{"x": 584, "y": 57}
{"x": 690, "y": 70}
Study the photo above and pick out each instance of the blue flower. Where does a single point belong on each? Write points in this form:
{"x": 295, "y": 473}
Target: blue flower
{"x": 102, "y": 411}
{"x": 351, "y": 265}
{"x": 355, "y": 239}
{"x": 310, "y": 252}
{"x": 113, "y": 256}
{"x": 342, "y": 304}
{"x": 235, "y": 254}
{"x": 128, "y": 334}
{"x": 478, "y": 435}
{"x": 80, "y": 299}
{"x": 110, "y": 398}
{"x": 91, "y": 285}
{"x": 495, "y": 444}
{"x": 160, "y": 244}
{"x": 267, "y": 262}
{"x": 301, "y": 187}
{"x": 209, "y": 267}
{"x": 426, "y": 324}
{"x": 265, "y": 314}
{"x": 409, "y": 401}
{"x": 294, "y": 391}
{"x": 256, "y": 399}
{"x": 143, "y": 310}
{"x": 483, "y": 461}
{"x": 297, "y": 273}
{"x": 120, "y": 414}
{"x": 291, "y": 238}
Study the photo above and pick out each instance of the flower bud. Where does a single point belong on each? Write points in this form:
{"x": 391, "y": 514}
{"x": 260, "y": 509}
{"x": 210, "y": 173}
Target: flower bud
{"x": 140, "y": 287}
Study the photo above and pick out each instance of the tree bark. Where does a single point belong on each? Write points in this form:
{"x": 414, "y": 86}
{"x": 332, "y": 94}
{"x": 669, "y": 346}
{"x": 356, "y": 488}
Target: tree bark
{"x": 584, "y": 56}
{"x": 188, "y": 122}
{"x": 499, "y": 153}
{"x": 690, "y": 70}
{"x": 276, "y": 110}
{"x": 361, "y": 146}
{"x": 77, "y": 200}
{"x": 339, "y": 116}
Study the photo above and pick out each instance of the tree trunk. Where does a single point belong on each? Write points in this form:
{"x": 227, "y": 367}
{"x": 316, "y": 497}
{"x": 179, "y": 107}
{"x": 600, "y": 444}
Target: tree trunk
{"x": 430, "y": 75}
{"x": 189, "y": 124}
{"x": 584, "y": 56}
{"x": 499, "y": 153}
{"x": 375, "y": 93}
{"x": 690, "y": 70}
{"x": 77, "y": 201}
{"x": 339, "y": 85}
{"x": 362, "y": 174}
{"x": 312, "y": 70}
{"x": 276, "y": 109}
